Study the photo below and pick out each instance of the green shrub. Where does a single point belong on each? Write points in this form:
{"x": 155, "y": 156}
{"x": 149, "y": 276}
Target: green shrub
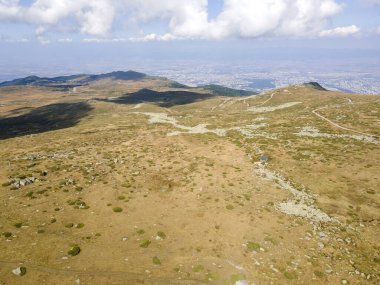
{"x": 161, "y": 235}
{"x": 252, "y": 246}
{"x": 74, "y": 251}
{"x": 7, "y": 234}
{"x": 156, "y": 261}
{"x": 145, "y": 243}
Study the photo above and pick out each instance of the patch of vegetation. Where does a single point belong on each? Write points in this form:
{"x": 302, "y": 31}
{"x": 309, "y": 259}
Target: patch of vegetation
{"x": 319, "y": 274}
{"x": 69, "y": 225}
{"x": 156, "y": 260}
{"x": 79, "y": 226}
{"x": 290, "y": 275}
{"x": 141, "y": 232}
{"x": 225, "y": 91}
{"x": 6, "y": 184}
{"x": 7, "y": 234}
{"x": 253, "y": 246}
{"x": 161, "y": 235}
{"x": 22, "y": 271}
{"x": 237, "y": 277}
{"x": 75, "y": 250}
{"x": 198, "y": 268}
{"x": 117, "y": 209}
{"x": 145, "y": 243}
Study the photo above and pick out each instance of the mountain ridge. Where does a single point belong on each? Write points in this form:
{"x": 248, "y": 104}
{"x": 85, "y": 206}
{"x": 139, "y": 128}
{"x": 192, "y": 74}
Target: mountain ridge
{"x": 74, "y": 80}
{"x": 67, "y": 82}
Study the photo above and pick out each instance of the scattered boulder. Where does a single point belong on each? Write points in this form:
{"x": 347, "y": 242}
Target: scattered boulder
{"x": 17, "y": 182}
{"x": 264, "y": 158}
{"x": 19, "y": 271}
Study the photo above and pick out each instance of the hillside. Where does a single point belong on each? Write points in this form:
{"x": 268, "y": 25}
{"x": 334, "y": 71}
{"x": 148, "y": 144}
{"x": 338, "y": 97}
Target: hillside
{"x": 139, "y": 181}
{"x": 73, "y": 80}
{"x": 225, "y": 91}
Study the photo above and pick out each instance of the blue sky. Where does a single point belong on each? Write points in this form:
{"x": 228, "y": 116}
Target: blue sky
{"x": 150, "y": 20}
{"x": 85, "y": 32}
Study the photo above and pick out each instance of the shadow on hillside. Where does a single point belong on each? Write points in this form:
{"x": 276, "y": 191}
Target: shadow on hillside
{"x": 44, "y": 119}
{"x": 165, "y": 99}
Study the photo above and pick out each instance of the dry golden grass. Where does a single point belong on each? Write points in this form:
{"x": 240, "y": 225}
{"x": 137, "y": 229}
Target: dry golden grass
{"x": 147, "y": 208}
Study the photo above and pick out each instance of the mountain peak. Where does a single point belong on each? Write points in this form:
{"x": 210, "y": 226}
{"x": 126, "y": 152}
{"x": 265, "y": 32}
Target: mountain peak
{"x": 314, "y": 85}
{"x": 72, "y": 80}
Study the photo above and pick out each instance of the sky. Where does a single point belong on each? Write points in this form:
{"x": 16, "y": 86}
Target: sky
{"x": 62, "y": 31}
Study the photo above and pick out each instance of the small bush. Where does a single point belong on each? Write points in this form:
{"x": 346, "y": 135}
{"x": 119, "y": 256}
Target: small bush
{"x": 198, "y": 268}
{"x": 74, "y": 251}
{"x": 229, "y": 207}
{"x": 290, "y": 275}
{"x": 161, "y": 235}
{"x": 252, "y": 246}
{"x": 117, "y": 209}
{"x": 156, "y": 261}
{"x": 145, "y": 243}
{"x": 7, "y": 234}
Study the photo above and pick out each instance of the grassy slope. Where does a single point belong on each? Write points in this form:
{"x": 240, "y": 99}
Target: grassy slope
{"x": 220, "y": 219}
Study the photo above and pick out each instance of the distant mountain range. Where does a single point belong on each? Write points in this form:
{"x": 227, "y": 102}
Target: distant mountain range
{"x": 73, "y": 80}
{"x": 65, "y": 83}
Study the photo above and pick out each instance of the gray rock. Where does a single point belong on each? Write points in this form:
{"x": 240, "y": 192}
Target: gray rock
{"x": 19, "y": 271}
{"x": 20, "y": 182}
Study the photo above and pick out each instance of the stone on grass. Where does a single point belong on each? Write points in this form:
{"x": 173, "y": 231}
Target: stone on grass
{"x": 19, "y": 271}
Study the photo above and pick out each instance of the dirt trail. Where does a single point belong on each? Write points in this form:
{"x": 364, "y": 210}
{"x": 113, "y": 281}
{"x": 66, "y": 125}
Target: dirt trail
{"x": 315, "y": 112}
{"x": 270, "y": 98}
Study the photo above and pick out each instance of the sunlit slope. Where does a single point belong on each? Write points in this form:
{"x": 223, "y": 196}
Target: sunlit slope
{"x": 178, "y": 186}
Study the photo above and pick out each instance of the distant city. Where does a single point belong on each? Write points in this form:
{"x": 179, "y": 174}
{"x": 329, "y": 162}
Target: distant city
{"x": 262, "y": 76}
{"x": 354, "y": 77}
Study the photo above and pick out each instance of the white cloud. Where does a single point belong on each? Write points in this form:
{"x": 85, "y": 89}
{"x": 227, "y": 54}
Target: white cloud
{"x": 183, "y": 18}
{"x": 340, "y": 31}
{"x": 255, "y": 18}
{"x": 65, "y": 40}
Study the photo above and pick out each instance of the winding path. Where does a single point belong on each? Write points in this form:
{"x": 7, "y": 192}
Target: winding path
{"x": 270, "y": 98}
{"x": 315, "y": 112}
